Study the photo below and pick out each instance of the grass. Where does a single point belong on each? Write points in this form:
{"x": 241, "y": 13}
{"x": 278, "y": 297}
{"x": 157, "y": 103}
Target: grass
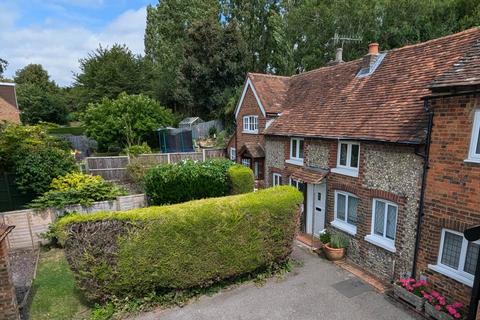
{"x": 55, "y": 296}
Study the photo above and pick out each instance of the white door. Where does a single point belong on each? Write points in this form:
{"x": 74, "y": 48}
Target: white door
{"x": 319, "y": 200}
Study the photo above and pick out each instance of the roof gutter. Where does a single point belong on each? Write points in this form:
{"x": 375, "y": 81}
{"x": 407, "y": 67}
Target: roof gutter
{"x": 425, "y": 155}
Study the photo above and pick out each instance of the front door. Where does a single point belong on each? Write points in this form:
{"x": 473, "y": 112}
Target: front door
{"x": 320, "y": 192}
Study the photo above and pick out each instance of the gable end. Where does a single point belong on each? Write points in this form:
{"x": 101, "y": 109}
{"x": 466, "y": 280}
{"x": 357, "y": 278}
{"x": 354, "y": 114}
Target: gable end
{"x": 249, "y": 84}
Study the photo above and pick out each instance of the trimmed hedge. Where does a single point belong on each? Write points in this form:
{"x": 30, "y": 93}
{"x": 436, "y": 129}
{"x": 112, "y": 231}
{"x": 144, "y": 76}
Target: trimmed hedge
{"x": 241, "y": 179}
{"x": 187, "y": 180}
{"x": 159, "y": 249}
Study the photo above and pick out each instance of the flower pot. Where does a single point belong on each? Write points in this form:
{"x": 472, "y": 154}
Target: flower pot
{"x": 333, "y": 254}
{"x": 405, "y": 295}
{"x": 434, "y": 313}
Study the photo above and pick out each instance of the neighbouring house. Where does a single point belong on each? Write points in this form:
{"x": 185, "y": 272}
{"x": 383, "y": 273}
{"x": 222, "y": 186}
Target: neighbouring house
{"x": 452, "y": 193}
{"x": 259, "y": 105}
{"x": 352, "y": 136}
{"x": 8, "y": 103}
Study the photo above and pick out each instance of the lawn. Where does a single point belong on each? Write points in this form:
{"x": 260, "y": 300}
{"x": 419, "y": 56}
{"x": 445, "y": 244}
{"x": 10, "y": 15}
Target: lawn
{"x": 55, "y": 296}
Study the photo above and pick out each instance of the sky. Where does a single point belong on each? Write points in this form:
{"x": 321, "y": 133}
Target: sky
{"x": 57, "y": 33}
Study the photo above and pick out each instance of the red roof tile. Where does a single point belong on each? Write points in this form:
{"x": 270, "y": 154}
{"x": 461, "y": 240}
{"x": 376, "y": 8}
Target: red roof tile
{"x": 332, "y": 102}
{"x": 271, "y": 90}
{"x": 305, "y": 174}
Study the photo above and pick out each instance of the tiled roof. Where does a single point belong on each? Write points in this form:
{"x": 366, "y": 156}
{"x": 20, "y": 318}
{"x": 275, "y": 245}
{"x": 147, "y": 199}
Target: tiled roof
{"x": 331, "y": 102}
{"x": 465, "y": 72}
{"x": 271, "y": 90}
{"x": 305, "y": 174}
{"x": 255, "y": 150}
{"x": 8, "y": 112}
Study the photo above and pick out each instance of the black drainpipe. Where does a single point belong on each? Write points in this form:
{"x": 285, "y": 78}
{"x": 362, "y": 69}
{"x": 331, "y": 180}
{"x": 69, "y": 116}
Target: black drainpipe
{"x": 425, "y": 157}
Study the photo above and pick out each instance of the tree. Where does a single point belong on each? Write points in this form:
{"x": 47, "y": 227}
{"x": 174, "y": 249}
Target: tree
{"x": 126, "y": 121}
{"x": 39, "y": 98}
{"x": 3, "y": 67}
{"x": 107, "y": 72}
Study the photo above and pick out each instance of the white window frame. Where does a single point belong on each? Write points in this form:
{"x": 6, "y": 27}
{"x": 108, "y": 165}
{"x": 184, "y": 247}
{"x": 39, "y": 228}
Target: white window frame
{"x": 343, "y": 224}
{"x": 472, "y": 155}
{"x": 459, "y": 275}
{"x": 382, "y": 241}
{"x": 250, "y": 124}
{"x": 233, "y": 154}
{"x": 243, "y": 162}
{"x": 294, "y": 155}
{"x": 347, "y": 169}
{"x": 276, "y": 179}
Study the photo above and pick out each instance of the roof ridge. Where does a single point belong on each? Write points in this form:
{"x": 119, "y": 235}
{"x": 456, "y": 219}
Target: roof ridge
{"x": 326, "y": 67}
{"x": 268, "y": 75}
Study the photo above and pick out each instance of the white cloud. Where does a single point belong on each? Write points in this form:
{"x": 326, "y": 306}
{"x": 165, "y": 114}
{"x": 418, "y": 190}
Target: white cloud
{"x": 59, "y": 49}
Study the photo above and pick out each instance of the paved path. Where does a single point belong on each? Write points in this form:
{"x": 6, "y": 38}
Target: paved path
{"x": 316, "y": 290}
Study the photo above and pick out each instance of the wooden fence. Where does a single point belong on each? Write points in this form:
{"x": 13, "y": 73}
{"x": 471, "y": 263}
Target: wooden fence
{"x": 115, "y": 168}
{"x": 30, "y": 224}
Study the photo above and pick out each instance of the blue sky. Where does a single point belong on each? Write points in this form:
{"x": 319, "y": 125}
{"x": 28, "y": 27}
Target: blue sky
{"x": 57, "y": 33}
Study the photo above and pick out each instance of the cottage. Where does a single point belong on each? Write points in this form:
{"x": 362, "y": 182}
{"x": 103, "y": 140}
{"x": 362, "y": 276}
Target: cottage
{"x": 8, "y": 103}
{"x": 352, "y": 137}
{"x": 452, "y": 193}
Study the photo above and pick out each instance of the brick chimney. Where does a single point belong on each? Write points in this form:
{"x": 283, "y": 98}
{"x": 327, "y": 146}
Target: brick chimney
{"x": 371, "y": 57}
{"x": 338, "y": 58}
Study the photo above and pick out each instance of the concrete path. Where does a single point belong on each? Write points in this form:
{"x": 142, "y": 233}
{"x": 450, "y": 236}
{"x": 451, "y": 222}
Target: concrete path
{"x": 315, "y": 290}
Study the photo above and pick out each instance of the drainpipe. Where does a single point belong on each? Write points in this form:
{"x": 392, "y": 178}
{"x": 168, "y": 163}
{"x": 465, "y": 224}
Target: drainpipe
{"x": 425, "y": 157}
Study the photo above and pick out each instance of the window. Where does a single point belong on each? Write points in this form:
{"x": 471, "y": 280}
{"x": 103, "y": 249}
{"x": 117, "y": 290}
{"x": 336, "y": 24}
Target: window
{"x": 233, "y": 154}
{"x": 297, "y": 184}
{"x": 348, "y": 158}
{"x": 474, "y": 153}
{"x": 457, "y": 257}
{"x": 296, "y": 151}
{"x": 250, "y": 124}
{"x": 276, "y": 179}
{"x": 345, "y": 209}
{"x": 384, "y": 224}
{"x": 246, "y": 162}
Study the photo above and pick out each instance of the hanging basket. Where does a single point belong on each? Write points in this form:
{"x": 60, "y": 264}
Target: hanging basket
{"x": 407, "y": 296}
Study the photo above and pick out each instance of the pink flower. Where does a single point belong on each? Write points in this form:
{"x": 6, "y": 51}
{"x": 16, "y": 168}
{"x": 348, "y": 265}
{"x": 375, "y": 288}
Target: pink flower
{"x": 457, "y": 305}
{"x": 437, "y": 307}
{"x": 457, "y": 315}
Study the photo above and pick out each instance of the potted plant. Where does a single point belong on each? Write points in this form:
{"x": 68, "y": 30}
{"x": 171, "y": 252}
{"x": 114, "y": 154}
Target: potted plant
{"x": 325, "y": 238}
{"x": 411, "y": 291}
{"x": 436, "y": 306}
{"x": 335, "y": 248}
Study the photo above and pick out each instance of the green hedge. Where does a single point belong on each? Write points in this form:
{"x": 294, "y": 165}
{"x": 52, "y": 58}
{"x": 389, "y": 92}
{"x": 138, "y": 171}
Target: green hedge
{"x": 241, "y": 179}
{"x": 187, "y": 180}
{"x": 76, "y": 131}
{"x": 189, "y": 245}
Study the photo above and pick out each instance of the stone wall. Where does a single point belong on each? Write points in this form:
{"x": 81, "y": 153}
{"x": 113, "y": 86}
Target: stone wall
{"x": 317, "y": 154}
{"x": 8, "y": 300}
{"x": 274, "y": 157}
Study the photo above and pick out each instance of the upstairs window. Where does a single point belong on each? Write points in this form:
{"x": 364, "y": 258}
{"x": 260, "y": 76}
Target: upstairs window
{"x": 296, "y": 151}
{"x": 345, "y": 209}
{"x": 250, "y": 124}
{"x": 348, "y": 158}
{"x": 474, "y": 153}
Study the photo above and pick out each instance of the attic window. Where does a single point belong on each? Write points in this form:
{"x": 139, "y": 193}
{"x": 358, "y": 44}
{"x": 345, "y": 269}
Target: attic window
{"x": 366, "y": 71}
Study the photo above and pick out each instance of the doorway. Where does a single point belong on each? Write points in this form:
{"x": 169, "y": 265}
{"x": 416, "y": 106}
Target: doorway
{"x": 316, "y": 200}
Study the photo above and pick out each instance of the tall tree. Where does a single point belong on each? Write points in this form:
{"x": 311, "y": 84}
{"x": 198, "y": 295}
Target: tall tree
{"x": 3, "y": 67}
{"x": 39, "y": 98}
{"x": 107, "y": 72}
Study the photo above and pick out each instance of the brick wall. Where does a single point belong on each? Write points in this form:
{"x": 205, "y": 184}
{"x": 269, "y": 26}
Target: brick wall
{"x": 452, "y": 197}
{"x": 387, "y": 171}
{"x": 8, "y": 300}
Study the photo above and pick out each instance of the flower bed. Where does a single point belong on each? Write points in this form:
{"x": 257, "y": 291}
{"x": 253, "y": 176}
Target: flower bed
{"x": 436, "y": 306}
{"x": 411, "y": 291}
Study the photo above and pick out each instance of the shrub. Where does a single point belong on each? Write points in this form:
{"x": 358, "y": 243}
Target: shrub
{"x": 325, "y": 237}
{"x": 241, "y": 179}
{"x": 187, "y": 180}
{"x": 159, "y": 249}
{"x": 77, "y": 188}
{"x": 338, "y": 241}
{"x": 135, "y": 150}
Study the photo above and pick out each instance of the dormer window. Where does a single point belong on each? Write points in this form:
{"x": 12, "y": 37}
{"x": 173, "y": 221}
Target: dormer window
{"x": 348, "y": 158}
{"x": 250, "y": 124}
{"x": 474, "y": 152}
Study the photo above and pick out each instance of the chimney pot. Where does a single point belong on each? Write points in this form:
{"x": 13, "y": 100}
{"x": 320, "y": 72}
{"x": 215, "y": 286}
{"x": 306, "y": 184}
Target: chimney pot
{"x": 373, "y": 48}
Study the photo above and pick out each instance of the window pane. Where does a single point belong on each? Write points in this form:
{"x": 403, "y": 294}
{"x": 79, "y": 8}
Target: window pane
{"x": 379, "y": 223}
{"x": 341, "y": 206}
{"x": 354, "y": 158}
{"x": 391, "y": 222}
{"x": 471, "y": 259}
{"x": 343, "y": 154}
{"x": 352, "y": 210}
{"x": 245, "y": 123}
{"x": 301, "y": 149}
{"x": 477, "y": 151}
{"x": 293, "y": 150}
{"x": 452, "y": 245}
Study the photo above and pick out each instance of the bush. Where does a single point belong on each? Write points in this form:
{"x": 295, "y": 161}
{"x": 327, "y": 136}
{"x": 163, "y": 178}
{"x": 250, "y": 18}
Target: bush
{"x": 187, "y": 180}
{"x": 241, "y": 179}
{"x": 160, "y": 249}
{"x": 77, "y": 188}
{"x": 135, "y": 150}
{"x": 339, "y": 240}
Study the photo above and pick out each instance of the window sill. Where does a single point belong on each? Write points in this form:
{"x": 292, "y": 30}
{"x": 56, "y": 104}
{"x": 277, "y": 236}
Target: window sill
{"x": 297, "y": 162}
{"x": 345, "y": 172}
{"x": 345, "y": 227}
{"x": 380, "y": 242}
{"x": 451, "y": 274}
{"x": 472, "y": 160}
{"x": 250, "y": 132}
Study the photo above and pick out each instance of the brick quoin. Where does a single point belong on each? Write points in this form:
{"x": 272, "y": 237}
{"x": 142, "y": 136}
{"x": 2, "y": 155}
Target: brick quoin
{"x": 452, "y": 195}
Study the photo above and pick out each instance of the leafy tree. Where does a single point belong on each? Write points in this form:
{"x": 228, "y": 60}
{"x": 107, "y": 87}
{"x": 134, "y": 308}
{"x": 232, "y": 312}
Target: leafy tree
{"x": 107, "y": 72}
{"x": 39, "y": 98}
{"x": 3, "y": 67}
{"x": 126, "y": 121}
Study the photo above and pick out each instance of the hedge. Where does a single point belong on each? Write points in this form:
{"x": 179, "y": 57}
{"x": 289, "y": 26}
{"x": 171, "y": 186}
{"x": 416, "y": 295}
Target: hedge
{"x": 187, "y": 180}
{"x": 241, "y": 179}
{"x": 190, "y": 245}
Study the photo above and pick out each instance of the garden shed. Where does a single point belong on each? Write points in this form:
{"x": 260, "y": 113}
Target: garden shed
{"x": 189, "y": 122}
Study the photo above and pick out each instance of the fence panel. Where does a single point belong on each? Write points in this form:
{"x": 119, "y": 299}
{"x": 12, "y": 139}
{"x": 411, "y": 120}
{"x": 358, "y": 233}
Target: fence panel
{"x": 177, "y": 157}
{"x": 154, "y": 158}
{"x": 214, "y": 153}
{"x": 200, "y": 130}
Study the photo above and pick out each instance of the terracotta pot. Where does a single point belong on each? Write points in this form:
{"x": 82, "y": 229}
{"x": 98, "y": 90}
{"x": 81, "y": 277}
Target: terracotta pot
{"x": 333, "y": 254}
